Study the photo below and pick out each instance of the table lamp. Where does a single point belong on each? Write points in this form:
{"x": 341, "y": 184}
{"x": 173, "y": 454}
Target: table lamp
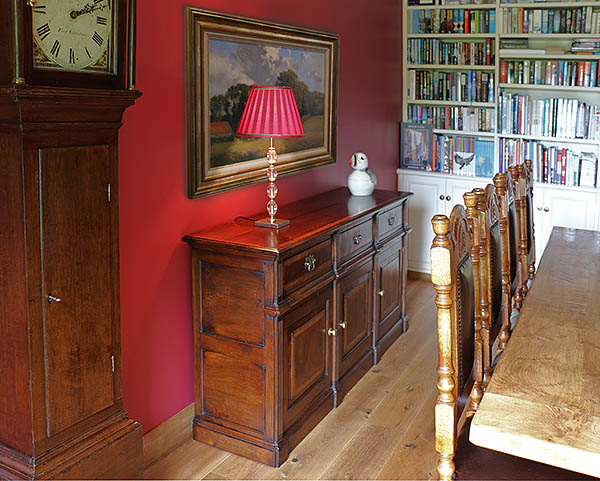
{"x": 271, "y": 112}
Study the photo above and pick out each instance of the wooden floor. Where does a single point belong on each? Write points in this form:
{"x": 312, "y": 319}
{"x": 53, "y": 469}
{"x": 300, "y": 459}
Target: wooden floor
{"x": 382, "y": 430}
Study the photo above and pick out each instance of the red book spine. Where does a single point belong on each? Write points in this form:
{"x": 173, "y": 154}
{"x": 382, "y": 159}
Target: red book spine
{"x": 467, "y": 26}
{"x": 503, "y": 71}
{"x": 563, "y": 165}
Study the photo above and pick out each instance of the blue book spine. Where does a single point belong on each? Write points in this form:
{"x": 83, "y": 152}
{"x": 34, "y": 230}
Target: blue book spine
{"x": 492, "y": 22}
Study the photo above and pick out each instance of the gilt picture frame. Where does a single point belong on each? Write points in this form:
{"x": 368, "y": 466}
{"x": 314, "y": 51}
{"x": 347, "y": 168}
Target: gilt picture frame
{"x": 225, "y": 56}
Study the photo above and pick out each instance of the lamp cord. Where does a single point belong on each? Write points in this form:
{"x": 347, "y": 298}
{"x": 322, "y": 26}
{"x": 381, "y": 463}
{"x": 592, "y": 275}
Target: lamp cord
{"x": 244, "y": 218}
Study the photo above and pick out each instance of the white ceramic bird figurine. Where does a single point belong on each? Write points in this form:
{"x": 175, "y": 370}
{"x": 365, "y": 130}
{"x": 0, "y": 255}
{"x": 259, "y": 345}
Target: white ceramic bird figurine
{"x": 361, "y": 180}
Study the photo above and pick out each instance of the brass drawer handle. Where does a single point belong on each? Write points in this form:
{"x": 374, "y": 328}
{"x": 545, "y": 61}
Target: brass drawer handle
{"x": 310, "y": 262}
{"x": 343, "y": 324}
{"x": 357, "y": 238}
{"x": 332, "y": 332}
{"x": 391, "y": 220}
{"x": 381, "y": 293}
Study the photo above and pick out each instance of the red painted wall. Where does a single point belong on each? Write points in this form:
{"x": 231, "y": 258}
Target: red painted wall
{"x": 155, "y": 212}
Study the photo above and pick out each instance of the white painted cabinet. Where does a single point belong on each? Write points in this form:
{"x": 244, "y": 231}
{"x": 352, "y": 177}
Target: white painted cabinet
{"x": 555, "y": 206}
{"x": 433, "y": 194}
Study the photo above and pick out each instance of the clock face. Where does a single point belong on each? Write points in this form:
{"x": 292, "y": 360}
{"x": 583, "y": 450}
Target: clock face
{"x": 74, "y": 35}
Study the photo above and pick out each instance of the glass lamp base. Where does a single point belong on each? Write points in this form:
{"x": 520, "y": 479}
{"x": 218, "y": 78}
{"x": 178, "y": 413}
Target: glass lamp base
{"x": 266, "y": 222}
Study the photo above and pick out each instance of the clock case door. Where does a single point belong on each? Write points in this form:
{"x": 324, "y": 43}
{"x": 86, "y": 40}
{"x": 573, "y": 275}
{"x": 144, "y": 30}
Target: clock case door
{"x": 19, "y": 58}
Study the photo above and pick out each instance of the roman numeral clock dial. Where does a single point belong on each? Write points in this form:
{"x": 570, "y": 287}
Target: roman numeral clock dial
{"x": 73, "y": 35}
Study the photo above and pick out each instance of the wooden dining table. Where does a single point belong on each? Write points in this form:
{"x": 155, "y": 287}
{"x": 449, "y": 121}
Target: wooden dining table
{"x": 543, "y": 400}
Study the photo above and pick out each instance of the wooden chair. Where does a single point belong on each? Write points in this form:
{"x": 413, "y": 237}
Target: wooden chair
{"x": 454, "y": 261}
{"x": 510, "y": 235}
{"x": 495, "y": 316}
{"x": 527, "y": 230}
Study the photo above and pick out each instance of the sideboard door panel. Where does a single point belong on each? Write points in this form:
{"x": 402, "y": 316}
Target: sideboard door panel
{"x": 355, "y": 322}
{"x": 234, "y": 390}
{"x": 76, "y": 268}
{"x": 306, "y": 354}
{"x": 389, "y": 271}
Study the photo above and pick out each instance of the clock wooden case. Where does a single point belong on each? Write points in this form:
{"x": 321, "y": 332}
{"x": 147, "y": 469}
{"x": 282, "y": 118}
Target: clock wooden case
{"x": 61, "y": 403}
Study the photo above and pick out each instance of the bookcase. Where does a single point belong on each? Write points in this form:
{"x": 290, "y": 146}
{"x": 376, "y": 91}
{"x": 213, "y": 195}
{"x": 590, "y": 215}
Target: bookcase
{"x": 505, "y": 81}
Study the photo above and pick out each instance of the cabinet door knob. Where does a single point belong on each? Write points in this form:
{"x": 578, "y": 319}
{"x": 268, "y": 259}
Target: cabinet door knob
{"x": 381, "y": 293}
{"x": 546, "y": 209}
{"x": 391, "y": 220}
{"x": 343, "y": 324}
{"x": 52, "y": 298}
{"x": 357, "y": 238}
{"x": 310, "y": 262}
{"x": 332, "y": 332}
{"x": 448, "y": 198}
{"x": 539, "y": 208}
{"x": 442, "y": 197}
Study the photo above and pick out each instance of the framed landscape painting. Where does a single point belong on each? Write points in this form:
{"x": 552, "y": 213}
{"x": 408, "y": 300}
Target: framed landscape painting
{"x": 225, "y": 56}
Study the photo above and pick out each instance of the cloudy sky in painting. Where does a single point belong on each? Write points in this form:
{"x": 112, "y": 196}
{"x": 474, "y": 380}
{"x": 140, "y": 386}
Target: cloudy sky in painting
{"x": 233, "y": 62}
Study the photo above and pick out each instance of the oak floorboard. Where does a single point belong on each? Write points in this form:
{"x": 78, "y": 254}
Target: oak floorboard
{"x": 365, "y": 437}
{"x": 191, "y": 460}
{"x": 409, "y": 457}
{"x": 365, "y": 455}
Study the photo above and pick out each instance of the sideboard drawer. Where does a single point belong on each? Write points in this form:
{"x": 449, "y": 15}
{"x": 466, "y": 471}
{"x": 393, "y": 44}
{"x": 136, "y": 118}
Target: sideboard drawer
{"x": 355, "y": 239}
{"x": 389, "y": 221}
{"x": 306, "y": 266}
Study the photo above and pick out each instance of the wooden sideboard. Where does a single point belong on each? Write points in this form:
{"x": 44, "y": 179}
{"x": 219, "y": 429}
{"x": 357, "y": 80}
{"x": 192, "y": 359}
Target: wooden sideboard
{"x": 286, "y": 322}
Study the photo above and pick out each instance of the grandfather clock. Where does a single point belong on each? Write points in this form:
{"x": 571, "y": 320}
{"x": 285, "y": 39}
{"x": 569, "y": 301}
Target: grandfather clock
{"x": 66, "y": 77}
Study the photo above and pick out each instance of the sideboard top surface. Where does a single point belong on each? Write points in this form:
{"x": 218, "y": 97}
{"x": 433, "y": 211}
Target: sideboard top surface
{"x": 308, "y": 218}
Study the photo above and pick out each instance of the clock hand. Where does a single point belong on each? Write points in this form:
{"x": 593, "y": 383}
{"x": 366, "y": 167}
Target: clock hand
{"x": 89, "y": 8}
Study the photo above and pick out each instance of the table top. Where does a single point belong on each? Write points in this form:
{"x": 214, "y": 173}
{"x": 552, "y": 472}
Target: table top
{"x": 308, "y": 217}
{"x": 542, "y": 402}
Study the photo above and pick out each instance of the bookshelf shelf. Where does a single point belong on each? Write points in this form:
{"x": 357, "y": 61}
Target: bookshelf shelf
{"x": 463, "y": 133}
{"x": 444, "y": 103}
{"x": 547, "y": 36}
{"x": 443, "y": 66}
{"x": 550, "y": 56}
{"x": 549, "y": 4}
{"x": 470, "y": 6}
{"x": 453, "y": 36}
{"x": 550, "y": 139}
{"x": 561, "y": 88}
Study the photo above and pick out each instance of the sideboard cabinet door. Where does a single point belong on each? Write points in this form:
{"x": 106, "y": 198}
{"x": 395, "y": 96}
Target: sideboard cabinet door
{"x": 306, "y": 356}
{"x": 354, "y": 329}
{"x": 389, "y": 285}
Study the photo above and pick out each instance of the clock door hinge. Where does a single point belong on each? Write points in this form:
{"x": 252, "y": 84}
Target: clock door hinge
{"x": 108, "y": 191}
{"x": 112, "y": 363}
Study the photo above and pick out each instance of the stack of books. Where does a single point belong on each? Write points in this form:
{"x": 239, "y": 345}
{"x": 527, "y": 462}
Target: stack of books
{"x": 550, "y": 117}
{"x": 467, "y": 156}
{"x": 547, "y": 20}
{"x": 587, "y": 46}
{"x": 435, "y": 51}
{"x": 550, "y": 72}
{"x": 465, "y": 119}
{"x": 469, "y": 86}
{"x": 454, "y": 20}
{"x": 551, "y": 164}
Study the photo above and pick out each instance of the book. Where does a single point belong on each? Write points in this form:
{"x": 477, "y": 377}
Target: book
{"x": 588, "y": 165}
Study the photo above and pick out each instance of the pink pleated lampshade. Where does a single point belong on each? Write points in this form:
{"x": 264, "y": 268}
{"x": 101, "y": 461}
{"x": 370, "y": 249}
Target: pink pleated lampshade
{"x": 271, "y": 112}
